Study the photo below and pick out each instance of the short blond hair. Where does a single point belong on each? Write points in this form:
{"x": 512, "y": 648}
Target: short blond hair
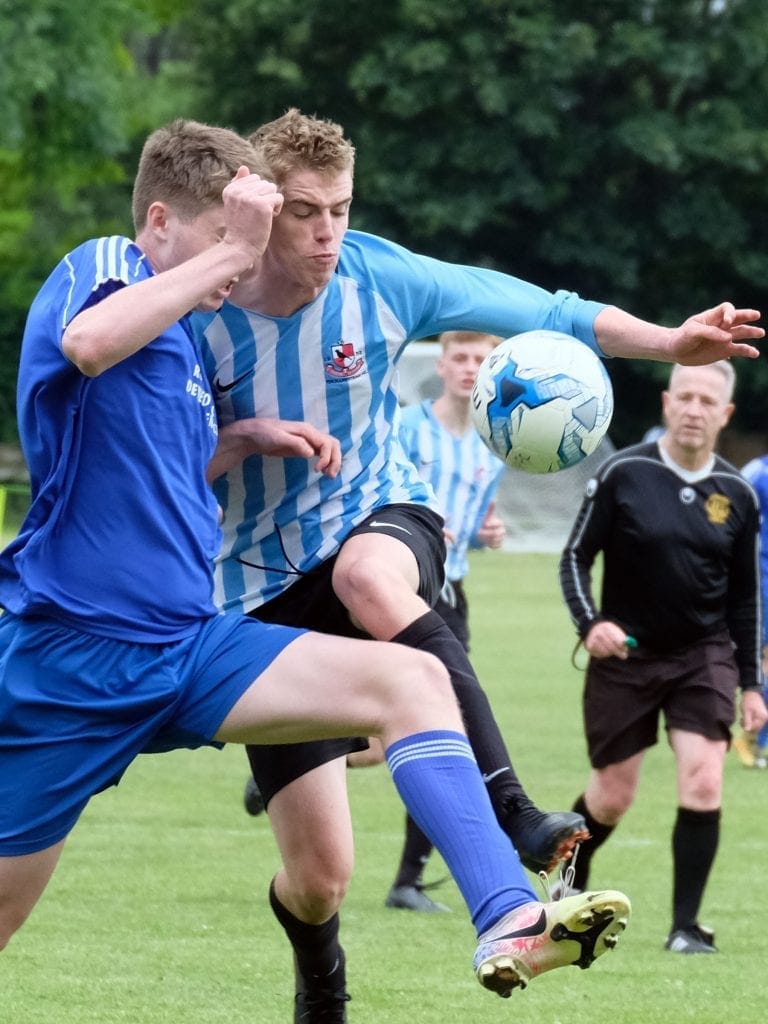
{"x": 298, "y": 141}
{"x": 461, "y": 337}
{"x": 187, "y": 164}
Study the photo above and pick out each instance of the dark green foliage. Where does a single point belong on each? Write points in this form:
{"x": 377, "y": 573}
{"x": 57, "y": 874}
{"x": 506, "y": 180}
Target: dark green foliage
{"x": 617, "y": 147}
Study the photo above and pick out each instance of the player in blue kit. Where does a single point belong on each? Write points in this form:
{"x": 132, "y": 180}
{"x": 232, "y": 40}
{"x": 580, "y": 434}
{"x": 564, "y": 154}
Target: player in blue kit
{"x": 316, "y": 336}
{"x": 110, "y": 643}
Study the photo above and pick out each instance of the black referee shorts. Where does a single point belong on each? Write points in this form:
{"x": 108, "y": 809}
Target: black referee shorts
{"x": 693, "y": 688}
{"x": 311, "y": 603}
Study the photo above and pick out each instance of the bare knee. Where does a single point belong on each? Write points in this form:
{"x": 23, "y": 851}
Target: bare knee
{"x": 609, "y": 797}
{"x": 701, "y": 787}
{"x": 366, "y": 579}
{"x": 11, "y": 920}
{"x": 314, "y": 892}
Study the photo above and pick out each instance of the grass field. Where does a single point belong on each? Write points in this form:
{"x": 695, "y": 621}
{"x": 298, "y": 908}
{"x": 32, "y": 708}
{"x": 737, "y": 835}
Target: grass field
{"x": 158, "y": 911}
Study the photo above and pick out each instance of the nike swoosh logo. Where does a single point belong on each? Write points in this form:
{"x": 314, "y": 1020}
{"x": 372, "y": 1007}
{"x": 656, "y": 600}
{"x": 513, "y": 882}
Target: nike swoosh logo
{"x": 223, "y": 388}
{"x": 533, "y": 929}
{"x": 389, "y": 526}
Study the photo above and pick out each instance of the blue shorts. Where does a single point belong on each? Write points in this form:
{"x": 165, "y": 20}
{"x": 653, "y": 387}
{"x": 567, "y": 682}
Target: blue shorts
{"x": 76, "y": 709}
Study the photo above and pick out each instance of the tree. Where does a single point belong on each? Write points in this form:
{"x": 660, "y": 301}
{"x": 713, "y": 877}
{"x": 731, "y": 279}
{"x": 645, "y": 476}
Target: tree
{"x": 618, "y": 148}
{"x": 74, "y": 100}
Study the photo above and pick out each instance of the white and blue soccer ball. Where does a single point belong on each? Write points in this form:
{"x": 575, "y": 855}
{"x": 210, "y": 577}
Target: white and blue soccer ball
{"x": 542, "y": 401}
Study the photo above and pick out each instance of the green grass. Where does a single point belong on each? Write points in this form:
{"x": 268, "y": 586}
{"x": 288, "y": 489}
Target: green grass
{"x": 158, "y": 911}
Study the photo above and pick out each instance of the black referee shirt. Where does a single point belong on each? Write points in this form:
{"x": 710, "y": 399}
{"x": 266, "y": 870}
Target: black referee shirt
{"x": 680, "y": 560}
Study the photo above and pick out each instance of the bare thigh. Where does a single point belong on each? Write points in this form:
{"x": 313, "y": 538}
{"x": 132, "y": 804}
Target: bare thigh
{"x": 321, "y": 687}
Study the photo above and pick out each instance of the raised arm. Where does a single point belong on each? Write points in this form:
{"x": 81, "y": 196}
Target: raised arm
{"x": 129, "y": 318}
{"x": 717, "y": 333}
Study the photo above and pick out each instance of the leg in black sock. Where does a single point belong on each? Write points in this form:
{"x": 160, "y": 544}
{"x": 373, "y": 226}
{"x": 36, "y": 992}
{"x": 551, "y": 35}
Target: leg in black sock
{"x": 407, "y": 893}
{"x": 416, "y": 851}
{"x": 541, "y": 839}
{"x": 695, "y": 839}
{"x": 598, "y": 833}
{"x": 320, "y": 965}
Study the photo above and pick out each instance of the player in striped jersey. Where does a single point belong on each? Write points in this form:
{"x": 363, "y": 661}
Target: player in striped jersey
{"x": 316, "y": 336}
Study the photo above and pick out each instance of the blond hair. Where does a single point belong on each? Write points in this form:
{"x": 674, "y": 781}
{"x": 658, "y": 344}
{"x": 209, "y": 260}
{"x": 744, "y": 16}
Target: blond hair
{"x": 297, "y": 141}
{"x": 187, "y": 165}
{"x": 460, "y": 337}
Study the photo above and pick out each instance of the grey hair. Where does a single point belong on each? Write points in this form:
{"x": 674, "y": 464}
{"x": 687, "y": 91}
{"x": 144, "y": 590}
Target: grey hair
{"x": 722, "y": 366}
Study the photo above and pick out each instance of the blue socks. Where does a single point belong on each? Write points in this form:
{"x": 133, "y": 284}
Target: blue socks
{"x": 438, "y": 780}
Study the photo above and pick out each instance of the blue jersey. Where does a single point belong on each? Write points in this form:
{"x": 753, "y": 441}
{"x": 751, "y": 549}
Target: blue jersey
{"x": 463, "y": 473}
{"x": 334, "y": 364}
{"x": 121, "y": 532}
{"x": 756, "y": 472}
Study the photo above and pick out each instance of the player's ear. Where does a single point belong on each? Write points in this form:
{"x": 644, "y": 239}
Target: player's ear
{"x": 157, "y": 217}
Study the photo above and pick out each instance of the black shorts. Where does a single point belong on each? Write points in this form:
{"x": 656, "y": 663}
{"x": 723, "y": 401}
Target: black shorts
{"x": 311, "y": 602}
{"x": 452, "y": 607}
{"x": 694, "y": 688}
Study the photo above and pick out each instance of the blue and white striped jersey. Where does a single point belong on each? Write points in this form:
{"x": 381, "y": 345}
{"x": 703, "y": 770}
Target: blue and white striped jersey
{"x": 333, "y": 363}
{"x": 463, "y": 473}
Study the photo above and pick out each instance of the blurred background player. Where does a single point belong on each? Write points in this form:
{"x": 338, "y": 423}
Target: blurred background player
{"x": 677, "y": 629}
{"x": 751, "y": 746}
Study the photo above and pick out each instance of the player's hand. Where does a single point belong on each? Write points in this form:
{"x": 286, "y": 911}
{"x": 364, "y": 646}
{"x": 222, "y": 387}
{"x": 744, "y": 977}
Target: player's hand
{"x": 492, "y": 530}
{"x": 250, "y": 206}
{"x": 754, "y": 713}
{"x": 278, "y": 438}
{"x": 717, "y": 333}
{"x": 606, "y": 640}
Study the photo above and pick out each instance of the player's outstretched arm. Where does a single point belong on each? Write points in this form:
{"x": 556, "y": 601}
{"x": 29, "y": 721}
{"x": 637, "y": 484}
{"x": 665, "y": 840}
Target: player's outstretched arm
{"x": 280, "y": 438}
{"x": 717, "y": 333}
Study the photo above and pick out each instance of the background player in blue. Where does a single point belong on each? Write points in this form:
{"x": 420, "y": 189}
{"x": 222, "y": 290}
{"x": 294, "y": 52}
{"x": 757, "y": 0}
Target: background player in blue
{"x": 678, "y": 530}
{"x": 752, "y": 745}
{"x": 316, "y": 335}
{"x": 440, "y": 440}
{"x": 110, "y": 644}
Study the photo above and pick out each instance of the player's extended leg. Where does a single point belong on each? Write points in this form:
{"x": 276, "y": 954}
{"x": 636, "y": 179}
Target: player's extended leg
{"x": 307, "y": 891}
{"x": 695, "y": 835}
{"x": 22, "y": 882}
{"x": 324, "y": 685}
{"x": 376, "y": 577}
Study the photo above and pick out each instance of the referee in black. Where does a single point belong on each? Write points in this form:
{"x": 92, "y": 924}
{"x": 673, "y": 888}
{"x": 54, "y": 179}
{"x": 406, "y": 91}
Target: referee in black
{"x": 677, "y": 630}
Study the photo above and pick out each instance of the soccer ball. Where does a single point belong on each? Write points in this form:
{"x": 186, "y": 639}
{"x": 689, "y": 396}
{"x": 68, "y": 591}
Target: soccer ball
{"x": 542, "y": 401}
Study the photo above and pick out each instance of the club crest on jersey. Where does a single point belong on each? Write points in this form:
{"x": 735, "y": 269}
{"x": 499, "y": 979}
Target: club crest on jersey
{"x": 345, "y": 362}
{"x": 718, "y": 508}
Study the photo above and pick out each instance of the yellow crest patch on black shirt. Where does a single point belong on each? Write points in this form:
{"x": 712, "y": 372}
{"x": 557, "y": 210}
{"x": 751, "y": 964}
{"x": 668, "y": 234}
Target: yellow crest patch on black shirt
{"x": 718, "y": 508}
